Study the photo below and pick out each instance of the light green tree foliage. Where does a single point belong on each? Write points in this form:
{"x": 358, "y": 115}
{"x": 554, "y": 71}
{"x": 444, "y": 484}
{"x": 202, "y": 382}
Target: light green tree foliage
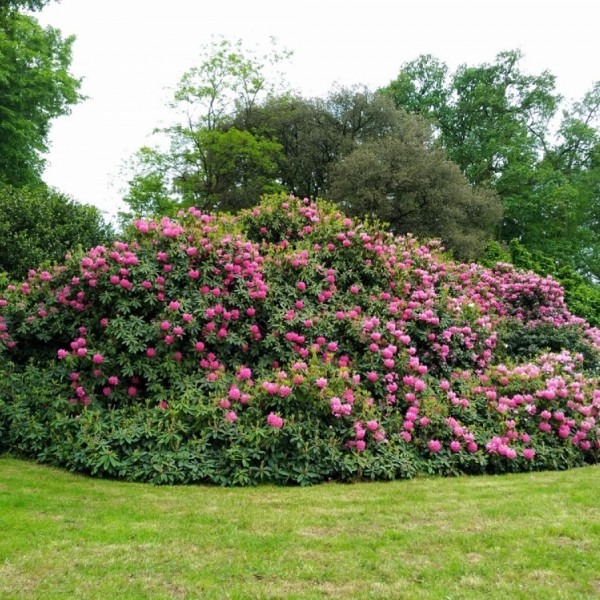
{"x": 39, "y": 225}
{"x": 210, "y": 162}
{"x": 35, "y": 87}
{"x": 557, "y": 212}
{"x": 494, "y": 120}
{"x": 489, "y": 117}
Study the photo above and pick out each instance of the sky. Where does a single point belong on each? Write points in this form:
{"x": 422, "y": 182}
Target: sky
{"x": 131, "y": 53}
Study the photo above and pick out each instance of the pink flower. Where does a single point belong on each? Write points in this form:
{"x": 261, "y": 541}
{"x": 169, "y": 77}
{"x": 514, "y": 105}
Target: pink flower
{"x": 361, "y": 445}
{"x": 244, "y": 373}
{"x": 98, "y": 359}
{"x": 372, "y": 425}
{"x": 528, "y": 453}
{"x": 285, "y": 391}
{"x": 434, "y": 446}
{"x": 174, "y": 305}
{"x": 231, "y": 416}
{"x": 62, "y": 354}
{"x": 113, "y": 380}
{"x": 275, "y": 421}
{"x": 150, "y": 352}
{"x": 455, "y": 446}
{"x": 321, "y": 383}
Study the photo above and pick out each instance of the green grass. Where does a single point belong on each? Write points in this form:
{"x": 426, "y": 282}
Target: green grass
{"x": 518, "y": 536}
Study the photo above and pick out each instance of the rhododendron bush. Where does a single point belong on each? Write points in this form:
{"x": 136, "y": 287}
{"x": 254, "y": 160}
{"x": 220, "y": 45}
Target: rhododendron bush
{"x": 289, "y": 344}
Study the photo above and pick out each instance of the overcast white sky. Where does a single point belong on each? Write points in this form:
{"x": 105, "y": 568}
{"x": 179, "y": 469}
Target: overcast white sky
{"x": 130, "y": 52}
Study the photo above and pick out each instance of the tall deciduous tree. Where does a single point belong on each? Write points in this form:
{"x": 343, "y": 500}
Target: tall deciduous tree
{"x": 489, "y": 117}
{"x": 494, "y": 121}
{"x": 213, "y": 160}
{"x": 317, "y": 132}
{"x": 35, "y": 87}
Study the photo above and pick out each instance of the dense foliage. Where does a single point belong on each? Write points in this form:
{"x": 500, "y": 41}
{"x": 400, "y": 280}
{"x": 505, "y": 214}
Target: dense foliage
{"x": 512, "y": 132}
{"x": 408, "y": 182}
{"x": 39, "y": 225}
{"x": 290, "y": 344}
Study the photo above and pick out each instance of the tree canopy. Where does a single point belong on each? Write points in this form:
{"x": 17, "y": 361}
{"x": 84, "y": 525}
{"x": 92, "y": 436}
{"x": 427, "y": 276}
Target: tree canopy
{"x": 495, "y": 121}
{"x": 416, "y": 189}
{"x": 211, "y": 163}
{"x": 36, "y": 86}
{"x": 238, "y": 139}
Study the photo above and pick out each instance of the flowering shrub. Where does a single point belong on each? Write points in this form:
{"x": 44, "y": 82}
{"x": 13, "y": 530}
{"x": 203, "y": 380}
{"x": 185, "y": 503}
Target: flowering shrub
{"x": 290, "y": 344}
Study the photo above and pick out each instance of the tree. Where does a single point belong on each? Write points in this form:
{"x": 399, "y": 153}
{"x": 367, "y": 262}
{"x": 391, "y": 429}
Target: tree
{"x": 35, "y": 87}
{"x": 213, "y": 161}
{"x": 315, "y": 133}
{"x": 422, "y": 87}
{"x": 404, "y": 180}
{"x": 31, "y": 5}
{"x": 489, "y": 117}
{"x": 39, "y": 225}
{"x": 554, "y": 207}
{"x": 494, "y": 121}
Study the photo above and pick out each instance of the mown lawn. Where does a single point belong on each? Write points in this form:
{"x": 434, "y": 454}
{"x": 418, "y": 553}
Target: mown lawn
{"x": 519, "y": 536}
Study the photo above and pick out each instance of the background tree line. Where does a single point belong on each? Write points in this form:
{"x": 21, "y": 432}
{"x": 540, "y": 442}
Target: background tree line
{"x": 486, "y": 153}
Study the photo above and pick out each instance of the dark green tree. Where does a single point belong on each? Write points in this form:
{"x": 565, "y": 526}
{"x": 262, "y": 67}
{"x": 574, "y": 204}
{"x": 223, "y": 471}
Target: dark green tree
{"x": 35, "y": 87}
{"x": 405, "y": 180}
{"x": 315, "y": 133}
{"x": 38, "y": 225}
{"x": 31, "y": 5}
